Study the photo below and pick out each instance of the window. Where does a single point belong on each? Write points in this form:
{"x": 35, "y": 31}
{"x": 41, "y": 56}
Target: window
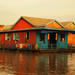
{"x": 7, "y": 36}
{"x": 16, "y": 36}
{"x": 42, "y": 37}
{"x": 26, "y": 35}
{"x": 62, "y": 37}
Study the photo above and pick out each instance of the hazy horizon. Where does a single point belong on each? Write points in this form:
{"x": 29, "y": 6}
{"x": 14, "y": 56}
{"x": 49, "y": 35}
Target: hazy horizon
{"x": 12, "y": 10}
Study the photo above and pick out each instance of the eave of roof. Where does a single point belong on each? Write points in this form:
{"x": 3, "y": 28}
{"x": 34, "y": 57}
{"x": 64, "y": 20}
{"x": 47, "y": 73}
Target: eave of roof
{"x": 48, "y": 29}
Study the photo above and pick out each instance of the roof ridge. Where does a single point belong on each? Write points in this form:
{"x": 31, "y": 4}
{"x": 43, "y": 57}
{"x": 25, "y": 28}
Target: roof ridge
{"x": 28, "y": 21}
{"x": 66, "y": 21}
{"x": 59, "y": 23}
{"x": 50, "y": 22}
{"x": 55, "y": 21}
{"x": 37, "y": 17}
{"x": 69, "y": 24}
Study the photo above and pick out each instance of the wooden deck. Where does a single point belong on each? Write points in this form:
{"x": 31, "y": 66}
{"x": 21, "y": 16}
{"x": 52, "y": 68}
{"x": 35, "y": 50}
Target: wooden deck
{"x": 51, "y": 48}
{"x": 57, "y": 50}
{"x": 70, "y": 50}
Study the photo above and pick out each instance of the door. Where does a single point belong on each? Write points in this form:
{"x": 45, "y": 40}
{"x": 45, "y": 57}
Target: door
{"x": 52, "y": 40}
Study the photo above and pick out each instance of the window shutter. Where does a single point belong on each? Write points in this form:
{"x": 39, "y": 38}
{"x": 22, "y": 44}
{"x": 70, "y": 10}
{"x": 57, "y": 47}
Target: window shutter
{"x": 9, "y": 36}
{"x": 17, "y": 36}
{"x": 6, "y": 36}
{"x": 27, "y": 35}
{"x": 14, "y": 36}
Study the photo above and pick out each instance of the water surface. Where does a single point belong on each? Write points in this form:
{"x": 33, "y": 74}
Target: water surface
{"x": 24, "y": 63}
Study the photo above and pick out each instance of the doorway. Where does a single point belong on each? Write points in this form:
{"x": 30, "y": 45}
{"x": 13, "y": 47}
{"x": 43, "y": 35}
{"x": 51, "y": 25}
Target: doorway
{"x": 52, "y": 40}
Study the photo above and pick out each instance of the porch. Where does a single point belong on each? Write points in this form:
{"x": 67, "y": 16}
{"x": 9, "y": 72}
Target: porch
{"x": 51, "y": 39}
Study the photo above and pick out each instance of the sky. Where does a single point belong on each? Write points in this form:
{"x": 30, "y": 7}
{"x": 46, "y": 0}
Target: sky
{"x": 12, "y": 10}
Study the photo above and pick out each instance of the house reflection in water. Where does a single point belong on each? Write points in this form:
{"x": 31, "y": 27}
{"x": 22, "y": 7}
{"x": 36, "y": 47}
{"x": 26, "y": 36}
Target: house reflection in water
{"x": 42, "y": 65}
{"x": 62, "y": 63}
{"x": 17, "y": 63}
{"x": 58, "y": 63}
{"x": 6, "y": 63}
{"x": 52, "y": 62}
{"x": 26, "y": 64}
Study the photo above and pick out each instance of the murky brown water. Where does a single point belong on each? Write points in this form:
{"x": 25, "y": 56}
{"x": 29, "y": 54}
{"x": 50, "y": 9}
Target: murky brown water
{"x": 18, "y": 63}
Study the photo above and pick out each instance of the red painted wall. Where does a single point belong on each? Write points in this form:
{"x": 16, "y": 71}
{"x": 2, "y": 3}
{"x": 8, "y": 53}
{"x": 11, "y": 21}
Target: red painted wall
{"x": 22, "y": 24}
{"x": 32, "y": 39}
{"x": 5, "y": 42}
{"x": 2, "y": 38}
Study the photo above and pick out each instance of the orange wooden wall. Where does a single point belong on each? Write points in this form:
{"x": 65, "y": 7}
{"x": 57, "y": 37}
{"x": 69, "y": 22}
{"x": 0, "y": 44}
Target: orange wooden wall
{"x": 71, "y": 38}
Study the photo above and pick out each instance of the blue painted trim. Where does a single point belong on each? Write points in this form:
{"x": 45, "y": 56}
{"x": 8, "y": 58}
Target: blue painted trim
{"x": 41, "y": 44}
{"x": 48, "y": 31}
{"x": 62, "y": 44}
{"x": 44, "y": 45}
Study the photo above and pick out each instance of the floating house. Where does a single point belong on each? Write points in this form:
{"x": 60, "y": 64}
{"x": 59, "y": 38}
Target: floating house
{"x": 71, "y": 35}
{"x": 37, "y": 33}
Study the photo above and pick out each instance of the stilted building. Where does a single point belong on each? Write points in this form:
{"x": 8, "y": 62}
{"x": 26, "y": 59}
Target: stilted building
{"x": 36, "y": 33}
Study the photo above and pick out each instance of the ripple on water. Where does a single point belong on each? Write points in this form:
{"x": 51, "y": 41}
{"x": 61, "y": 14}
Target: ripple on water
{"x": 17, "y": 63}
